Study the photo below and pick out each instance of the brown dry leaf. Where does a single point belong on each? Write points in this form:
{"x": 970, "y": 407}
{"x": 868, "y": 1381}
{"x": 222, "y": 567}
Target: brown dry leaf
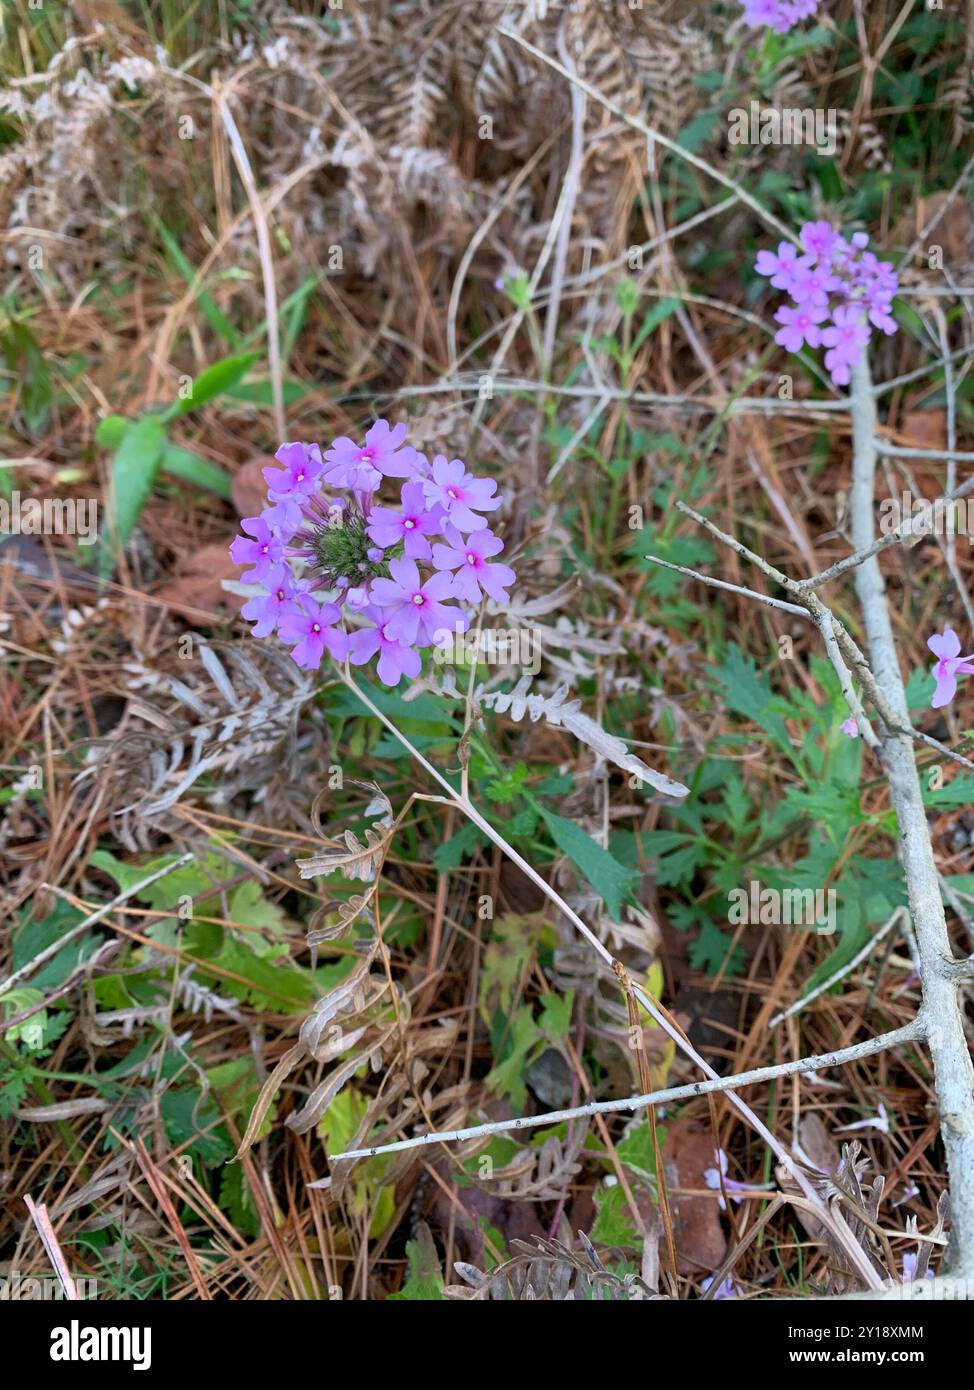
{"x": 248, "y": 488}
{"x": 697, "y": 1229}
{"x": 954, "y": 232}
{"x": 924, "y": 429}
{"x": 199, "y": 587}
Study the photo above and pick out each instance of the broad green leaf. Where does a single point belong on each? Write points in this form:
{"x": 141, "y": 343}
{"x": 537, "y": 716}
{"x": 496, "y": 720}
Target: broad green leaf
{"x": 110, "y": 432}
{"x": 425, "y": 1282}
{"x": 133, "y": 473}
{"x": 610, "y": 879}
{"x": 213, "y": 381}
{"x": 191, "y": 468}
{"x": 180, "y": 463}
{"x": 614, "y": 1225}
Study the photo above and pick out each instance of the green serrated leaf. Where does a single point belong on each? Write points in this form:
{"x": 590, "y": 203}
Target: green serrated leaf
{"x": 610, "y": 879}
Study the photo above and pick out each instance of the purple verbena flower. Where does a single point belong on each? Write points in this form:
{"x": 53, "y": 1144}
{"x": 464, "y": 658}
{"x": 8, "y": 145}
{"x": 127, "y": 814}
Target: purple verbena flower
{"x": 460, "y": 494}
{"x": 265, "y": 610}
{"x": 309, "y": 629}
{"x": 779, "y": 265}
{"x": 812, "y": 284}
{"x": 800, "y": 325}
{"x": 362, "y": 467}
{"x": 470, "y": 558}
{"x": 411, "y": 525}
{"x": 417, "y": 607}
{"x": 950, "y": 664}
{"x": 726, "y": 1289}
{"x": 396, "y": 658}
{"x": 837, "y": 284}
{"x": 264, "y": 550}
{"x": 712, "y": 1177}
{"x": 321, "y": 559}
{"x": 778, "y": 15}
{"x": 819, "y": 239}
{"x": 845, "y": 342}
{"x": 849, "y": 727}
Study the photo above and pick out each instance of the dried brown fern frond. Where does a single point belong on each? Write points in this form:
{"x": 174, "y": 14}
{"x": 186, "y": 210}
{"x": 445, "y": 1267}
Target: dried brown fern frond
{"x": 324, "y": 1035}
{"x": 231, "y": 714}
{"x": 563, "y": 712}
{"x": 346, "y": 854}
{"x": 539, "y": 1173}
{"x": 550, "y": 1272}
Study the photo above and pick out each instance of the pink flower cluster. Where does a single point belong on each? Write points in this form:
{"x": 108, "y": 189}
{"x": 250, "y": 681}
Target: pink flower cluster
{"x": 342, "y": 573}
{"x": 779, "y": 15}
{"x": 840, "y": 292}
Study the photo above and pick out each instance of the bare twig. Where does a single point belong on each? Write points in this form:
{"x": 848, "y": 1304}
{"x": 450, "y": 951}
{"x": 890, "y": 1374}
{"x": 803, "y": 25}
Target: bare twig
{"x": 911, "y": 1032}
{"x": 42, "y": 1222}
{"x": 941, "y": 1011}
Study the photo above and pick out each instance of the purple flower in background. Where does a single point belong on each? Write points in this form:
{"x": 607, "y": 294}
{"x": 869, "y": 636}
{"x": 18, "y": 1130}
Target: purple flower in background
{"x": 470, "y": 558}
{"x": 265, "y": 610}
{"x": 411, "y": 525}
{"x": 460, "y": 494}
{"x": 910, "y": 1261}
{"x": 849, "y": 727}
{"x": 340, "y": 574}
{"x": 266, "y": 549}
{"x": 308, "y": 627}
{"x": 712, "y": 1177}
{"x": 837, "y": 284}
{"x": 946, "y": 647}
{"x": 726, "y": 1289}
{"x": 779, "y": 15}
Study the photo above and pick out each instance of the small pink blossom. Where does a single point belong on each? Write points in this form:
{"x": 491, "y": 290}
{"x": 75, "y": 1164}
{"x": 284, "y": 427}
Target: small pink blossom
{"x": 950, "y": 664}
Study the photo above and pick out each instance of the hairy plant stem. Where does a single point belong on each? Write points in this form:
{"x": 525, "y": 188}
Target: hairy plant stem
{"x": 941, "y": 1011}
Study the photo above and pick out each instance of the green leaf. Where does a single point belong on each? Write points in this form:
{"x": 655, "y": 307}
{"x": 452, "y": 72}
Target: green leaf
{"x": 614, "y": 1224}
{"x": 110, "y": 431}
{"x": 636, "y": 1150}
{"x": 709, "y": 951}
{"x": 33, "y": 937}
{"x": 133, "y": 473}
{"x": 215, "y": 380}
{"x": 610, "y": 879}
{"x": 250, "y": 908}
{"x": 262, "y": 392}
{"x": 190, "y": 468}
{"x": 520, "y": 1039}
{"x": 451, "y": 853}
{"x": 24, "y": 358}
{"x": 657, "y": 314}
{"x": 425, "y": 1282}
{"x": 959, "y": 792}
{"x": 750, "y": 695}
{"x": 210, "y": 310}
